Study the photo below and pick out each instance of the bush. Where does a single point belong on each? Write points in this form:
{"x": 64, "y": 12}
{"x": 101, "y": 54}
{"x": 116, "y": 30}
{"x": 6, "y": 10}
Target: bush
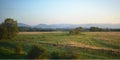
{"x": 95, "y": 29}
{"x": 18, "y": 49}
{"x": 56, "y": 55}
{"x": 75, "y": 55}
{"x": 36, "y": 52}
{"x": 6, "y": 51}
{"x": 75, "y": 31}
{"x": 64, "y": 55}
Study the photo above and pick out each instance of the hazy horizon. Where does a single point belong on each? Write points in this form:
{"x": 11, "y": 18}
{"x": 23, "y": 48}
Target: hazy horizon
{"x": 70, "y": 24}
{"x": 35, "y": 12}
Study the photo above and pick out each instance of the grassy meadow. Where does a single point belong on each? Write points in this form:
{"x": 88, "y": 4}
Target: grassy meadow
{"x": 87, "y": 45}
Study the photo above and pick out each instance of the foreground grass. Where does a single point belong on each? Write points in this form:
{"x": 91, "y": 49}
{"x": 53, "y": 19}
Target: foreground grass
{"x": 87, "y": 44}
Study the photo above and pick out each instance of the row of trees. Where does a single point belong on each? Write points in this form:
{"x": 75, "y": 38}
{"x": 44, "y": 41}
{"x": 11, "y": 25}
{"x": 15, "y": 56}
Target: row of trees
{"x": 30, "y": 29}
{"x": 94, "y": 29}
{"x": 8, "y": 29}
{"x": 97, "y": 29}
{"x": 78, "y": 30}
{"x": 91, "y": 29}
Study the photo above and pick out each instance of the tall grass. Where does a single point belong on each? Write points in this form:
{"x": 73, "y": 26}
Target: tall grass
{"x": 62, "y": 45}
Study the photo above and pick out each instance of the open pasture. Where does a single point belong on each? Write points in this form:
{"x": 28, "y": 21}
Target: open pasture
{"x": 87, "y": 44}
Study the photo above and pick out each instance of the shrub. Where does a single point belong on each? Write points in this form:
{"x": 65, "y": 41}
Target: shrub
{"x": 18, "y": 49}
{"x": 75, "y": 31}
{"x": 36, "y": 52}
{"x": 64, "y": 55}
{"x": 75, "y": 55}
{"x": 56, "y": 55}
{"x": 6, "y": 51}
{"x": 95, "y": 29}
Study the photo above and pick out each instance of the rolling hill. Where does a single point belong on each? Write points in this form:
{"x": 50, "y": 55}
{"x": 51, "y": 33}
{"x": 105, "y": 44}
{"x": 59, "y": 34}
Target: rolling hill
{"x": 53, "y": 26}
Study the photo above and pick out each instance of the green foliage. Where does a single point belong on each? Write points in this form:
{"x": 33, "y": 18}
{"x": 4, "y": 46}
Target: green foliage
{"x": 94, "y": 29}
{"x": 8, "y": 29}
{"x": 18, "y": 49}
{"x": 36, "y": 52}
{"x": 3, "y": 32}
{"x": 74, "y": 55}
{"x": 64, "y": 55}
{"x": 104, "y": 41}
{"x": 56, "y": 55}
{"x": 6, "y": 51}
{"x": 76, "y": 31}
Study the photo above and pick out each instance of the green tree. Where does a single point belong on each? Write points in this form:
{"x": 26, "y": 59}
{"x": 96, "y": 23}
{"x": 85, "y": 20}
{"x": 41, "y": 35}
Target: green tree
{"x": 8, "y": 29}
{"x": 3, "y": 32}
{"x": 76, "y": 31}
{"x": 94, "y": 29}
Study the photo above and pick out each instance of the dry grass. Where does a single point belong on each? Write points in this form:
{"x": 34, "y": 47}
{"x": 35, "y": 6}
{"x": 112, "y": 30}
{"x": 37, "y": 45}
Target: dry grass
{"x": 76, "y": 44}
{"x": 107, "y": 36}
{"x": 37, "y": 32}
{"x": 105, "y": 33}
{"x": 83, "y": 46}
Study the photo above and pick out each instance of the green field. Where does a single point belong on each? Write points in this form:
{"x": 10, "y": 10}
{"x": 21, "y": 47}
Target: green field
{"x": 88, "y": 45}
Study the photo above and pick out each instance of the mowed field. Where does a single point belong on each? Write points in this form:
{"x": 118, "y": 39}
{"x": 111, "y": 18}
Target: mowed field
{"x": 88, "y": 45}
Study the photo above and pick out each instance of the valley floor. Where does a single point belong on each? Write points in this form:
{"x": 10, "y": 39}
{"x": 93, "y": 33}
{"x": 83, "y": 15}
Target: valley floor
{"x": 87, "y": 45}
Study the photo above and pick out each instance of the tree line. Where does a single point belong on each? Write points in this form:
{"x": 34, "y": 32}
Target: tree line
{"x": 30, "y": 29}
{"x": 91, "y": 29}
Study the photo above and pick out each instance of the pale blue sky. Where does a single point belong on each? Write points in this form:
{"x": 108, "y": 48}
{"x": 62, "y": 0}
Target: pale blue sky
{"x": 61, "y": 11}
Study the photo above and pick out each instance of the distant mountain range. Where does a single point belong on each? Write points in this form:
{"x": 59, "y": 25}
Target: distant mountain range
{"x": 54, "y": 26}
{"x": 23, "y": 25}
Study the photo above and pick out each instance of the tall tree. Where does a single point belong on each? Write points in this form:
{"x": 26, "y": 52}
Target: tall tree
{"x": 8, "y": 29}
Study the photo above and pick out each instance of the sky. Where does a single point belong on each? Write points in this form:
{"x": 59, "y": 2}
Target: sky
{"x": 35, "y": 12}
